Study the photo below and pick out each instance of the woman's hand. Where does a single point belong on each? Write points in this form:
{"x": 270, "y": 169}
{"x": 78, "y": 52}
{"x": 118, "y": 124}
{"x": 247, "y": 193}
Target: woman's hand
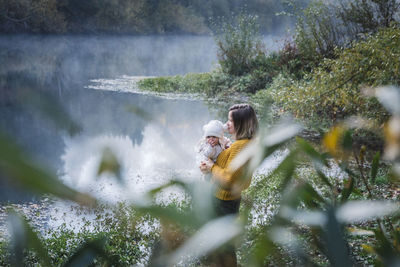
{"x": 205, "y": 166}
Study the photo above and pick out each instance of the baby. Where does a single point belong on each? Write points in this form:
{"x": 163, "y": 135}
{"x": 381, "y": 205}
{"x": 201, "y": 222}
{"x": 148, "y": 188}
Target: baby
{"x": 213, "y": 142}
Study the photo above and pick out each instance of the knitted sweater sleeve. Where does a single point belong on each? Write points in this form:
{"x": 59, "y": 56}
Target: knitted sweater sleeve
{"x": 222, "y": 173}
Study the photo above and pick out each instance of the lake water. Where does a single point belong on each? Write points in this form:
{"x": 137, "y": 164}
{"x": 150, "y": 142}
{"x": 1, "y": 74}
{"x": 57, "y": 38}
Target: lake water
{"x": 63, "y": 69}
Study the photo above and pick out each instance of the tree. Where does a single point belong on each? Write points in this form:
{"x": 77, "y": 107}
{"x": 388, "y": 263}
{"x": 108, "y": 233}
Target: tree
{"x": 366, "y": 16}
{"x": 41, "y": 16}
{"x": 239, "y": 44}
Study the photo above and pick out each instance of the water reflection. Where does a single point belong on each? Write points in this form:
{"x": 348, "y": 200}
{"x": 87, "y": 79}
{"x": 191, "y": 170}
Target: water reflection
{"x": 165, "y": 152}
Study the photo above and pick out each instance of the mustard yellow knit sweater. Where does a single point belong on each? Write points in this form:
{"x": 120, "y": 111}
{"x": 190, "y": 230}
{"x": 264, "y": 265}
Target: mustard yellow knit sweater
{"x": 230, "y": 184}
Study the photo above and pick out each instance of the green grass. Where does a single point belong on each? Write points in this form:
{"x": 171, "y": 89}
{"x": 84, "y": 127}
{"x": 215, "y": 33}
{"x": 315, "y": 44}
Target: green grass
{"x": 189, "y": 83}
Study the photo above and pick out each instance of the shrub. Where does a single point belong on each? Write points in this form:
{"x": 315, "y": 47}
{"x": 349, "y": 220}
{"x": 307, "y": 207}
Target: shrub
{"x": 324, "y": 26}
{"x": 239, "y": 45}
{"x": 368, "y": 16}
{"x": 318, "y": 31}
{"x": 334, "y": 90}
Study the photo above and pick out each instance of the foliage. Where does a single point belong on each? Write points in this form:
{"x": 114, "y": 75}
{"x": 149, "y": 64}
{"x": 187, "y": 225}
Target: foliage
{"x": 31, "y": 16}
{"x": 369, "y": 16}
{"x": 290, "y": 61}
{"x": 334, "y": 90}
{"x": 239, "y": 44}
{"x": 324, "y": 26}
{"x": 318, "y": 32}
{"x": 128, "y": 16}
{"x": 119, "y": 16}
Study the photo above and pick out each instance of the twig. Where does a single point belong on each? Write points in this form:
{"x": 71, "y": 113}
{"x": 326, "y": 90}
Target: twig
{"x": 17, "y": 20}
{"x": 340, "y": 85}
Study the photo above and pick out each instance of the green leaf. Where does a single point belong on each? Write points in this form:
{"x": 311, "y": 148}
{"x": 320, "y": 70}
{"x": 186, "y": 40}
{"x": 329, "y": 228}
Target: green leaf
{"x": 21, "y": 170}
{"x": 374, "y": 166}
{"x": 171, "y": 214}
{"x": 24, "y": 237}
{"x": 287, "y": 168}
{"x": 347, "y": 189}
{"x": 209, "y": 238}
{"x": 318, "y": 159}
{"x": 333, "y": 236}
{"x": 202, "y": 195}
{"x": 305, "y": 193}
{"x": 387, "y": 255}
{"x": 347, "y": 142}
{"x": 311, "y": 152}
{"x": 86, "y": 254}
{"x": 264, "y": 247}
{"x": 156, "y": 190}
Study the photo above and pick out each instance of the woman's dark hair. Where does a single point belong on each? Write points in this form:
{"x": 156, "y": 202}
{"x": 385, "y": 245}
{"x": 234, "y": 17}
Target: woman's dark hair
{"x": 244, "y": 120}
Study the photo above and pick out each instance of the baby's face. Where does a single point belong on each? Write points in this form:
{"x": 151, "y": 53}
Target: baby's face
{"x": 212, "y": 140}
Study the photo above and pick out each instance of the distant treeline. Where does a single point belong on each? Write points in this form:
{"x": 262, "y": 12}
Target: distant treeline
{"x": 131, "y": 16}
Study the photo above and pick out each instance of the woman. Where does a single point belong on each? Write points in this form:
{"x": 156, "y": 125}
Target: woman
{"x": 242, "y": 125}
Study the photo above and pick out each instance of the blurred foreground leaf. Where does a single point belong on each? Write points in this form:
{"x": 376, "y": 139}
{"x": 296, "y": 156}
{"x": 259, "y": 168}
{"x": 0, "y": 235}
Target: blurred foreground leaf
{"x": 23, "y": 238}
{"x": 287, "y": 238}
{"x": 389, "y": 96}
{"x": 388, "y": 255}
{"x": 374, "y": 166}
{"x": 287, "y": 168}
{"x": 319, "y": 160}
{"x": 392, "y": 138}
{"x": 87, "y": 253}
{"x": 337, "y": 250}
{"x": 348, "y": 188}
{"x": 264, "y": 146}
{"x": 363, "y": 210}
{"x": 209, "y": 238}
{"x": 202, "y": 194}
{"x": 19, "y": 169}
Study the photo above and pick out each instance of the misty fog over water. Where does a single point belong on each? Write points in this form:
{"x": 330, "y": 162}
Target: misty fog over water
{"x": 63, "y": 67}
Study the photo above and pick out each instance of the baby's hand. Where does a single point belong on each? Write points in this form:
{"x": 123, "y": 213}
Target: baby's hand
{"x": 225, "y": 142}
{"x": 205, "y": 166}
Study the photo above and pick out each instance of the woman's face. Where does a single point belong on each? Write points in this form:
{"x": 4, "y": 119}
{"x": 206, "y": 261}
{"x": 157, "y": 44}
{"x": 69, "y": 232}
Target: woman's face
{"x": 229, "y": 123}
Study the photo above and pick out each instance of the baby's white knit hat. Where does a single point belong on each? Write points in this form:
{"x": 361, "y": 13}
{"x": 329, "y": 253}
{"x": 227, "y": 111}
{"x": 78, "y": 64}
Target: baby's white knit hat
{"x": 214, "y": 128}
